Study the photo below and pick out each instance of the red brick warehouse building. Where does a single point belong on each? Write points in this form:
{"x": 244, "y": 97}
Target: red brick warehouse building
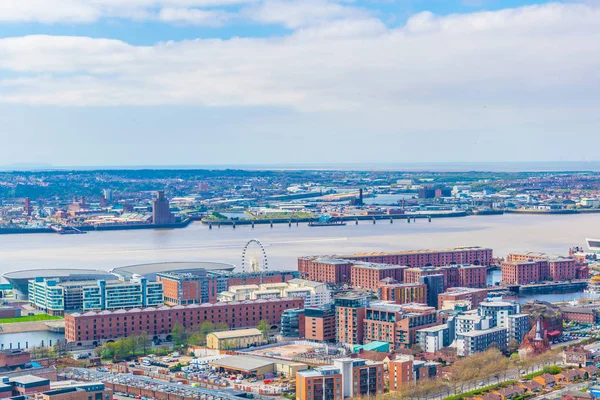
{"x": 98, "y": 327}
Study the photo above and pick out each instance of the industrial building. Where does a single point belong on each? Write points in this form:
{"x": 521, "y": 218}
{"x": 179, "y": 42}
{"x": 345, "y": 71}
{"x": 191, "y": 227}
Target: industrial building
{"x": 233, "y": 340}
{"x": 258, "y": 367}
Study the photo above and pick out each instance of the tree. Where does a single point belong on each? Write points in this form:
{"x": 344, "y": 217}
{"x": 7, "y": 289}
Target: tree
{"x": 109, "y": 351}
{"x": 196, "y": 339}
{"x": 206, "y": 328}
{"x": 179, "y": 335}
{"x": 144, "y": 342}
{"x": 221, "y": 326}
{"x": 265, "y": 328}
{"x": 513, "y": 346}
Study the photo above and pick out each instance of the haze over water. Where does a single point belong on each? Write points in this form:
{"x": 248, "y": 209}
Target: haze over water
{"x": 106, "y": 250}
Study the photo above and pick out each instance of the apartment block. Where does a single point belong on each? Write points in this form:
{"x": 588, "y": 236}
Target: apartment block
{"x": 424, "y": 258}
{"x": 405, "y": 370}
{"x": 366, "y": 275}
{"x": 350, "y": 314}
{"x": 98, "y": 327}
{"x": 321, "y": 383}
{"x": 323, "y": 269}
{"x": 191, "y": 287}
{"x": 396, "y": 324}
{"x": 319, "y": 323}
{"x": 476, "y": 341}
{"x": 360, "y": 377}
{"x": 471, "y": 296}
{"x": 402, "y": 293}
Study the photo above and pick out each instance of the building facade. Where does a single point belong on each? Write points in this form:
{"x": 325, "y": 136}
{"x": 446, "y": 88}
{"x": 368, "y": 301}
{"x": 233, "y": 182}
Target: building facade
{"x": 98, "y": 327}
{"x": 402, "y": 293}
{"x": 319, "y": 323}
{"x": 360, "y": 377}
{"x": 472, "y": 296}
{"x": 161, "y": 211}
{"x": 56, "y": 298}
{"x": 405, "y": 370}
{"x": 191, "y": 287}
{"x": 349, "y": 318}
{"x": 365, "y": 275}
{"x": 321, "y": 383}
{"x": 293, "y": 323}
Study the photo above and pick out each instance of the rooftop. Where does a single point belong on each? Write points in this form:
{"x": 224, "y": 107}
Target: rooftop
{"x": 483, "y": 332}
{"x": 236, "y": 334}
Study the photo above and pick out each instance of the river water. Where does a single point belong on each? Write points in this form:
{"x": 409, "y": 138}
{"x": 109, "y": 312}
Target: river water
{"x": 283, "y": 244}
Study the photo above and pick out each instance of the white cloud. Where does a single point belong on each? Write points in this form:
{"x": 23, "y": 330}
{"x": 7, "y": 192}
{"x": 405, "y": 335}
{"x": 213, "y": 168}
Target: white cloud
{"x": 193, "y": 16}
{"x": 540, "y": 56}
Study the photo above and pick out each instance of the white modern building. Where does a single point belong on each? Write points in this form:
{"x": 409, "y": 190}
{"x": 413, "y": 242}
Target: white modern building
{"x": 315, "y": 294}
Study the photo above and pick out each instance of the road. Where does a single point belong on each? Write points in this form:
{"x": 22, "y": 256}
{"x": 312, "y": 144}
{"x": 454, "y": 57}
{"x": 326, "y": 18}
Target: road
{"x": 575, "y": 387}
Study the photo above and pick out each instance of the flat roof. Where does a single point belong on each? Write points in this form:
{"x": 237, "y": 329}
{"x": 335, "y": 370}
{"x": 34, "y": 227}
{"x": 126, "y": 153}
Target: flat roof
{"x": 53, "y": 273}
{"x": 434, "y": 328}
{"x": 483, "y": 332}
{"x": 236, "y": 334}
{"x": 25, "y": 379}
{"x": 243, "y": 363}
{"x": 153, "y": 268}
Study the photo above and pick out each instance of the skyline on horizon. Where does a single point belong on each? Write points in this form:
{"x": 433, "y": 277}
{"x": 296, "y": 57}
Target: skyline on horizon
{"x": 298, "y": 82}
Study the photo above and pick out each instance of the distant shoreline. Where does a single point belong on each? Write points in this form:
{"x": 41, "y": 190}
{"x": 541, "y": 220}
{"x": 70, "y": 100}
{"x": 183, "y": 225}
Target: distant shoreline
{"x": 280, "y": 221}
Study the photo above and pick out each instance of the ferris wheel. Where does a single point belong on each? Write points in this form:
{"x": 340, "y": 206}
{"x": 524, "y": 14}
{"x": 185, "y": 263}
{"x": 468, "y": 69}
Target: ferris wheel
{"x": 254, "y": 257}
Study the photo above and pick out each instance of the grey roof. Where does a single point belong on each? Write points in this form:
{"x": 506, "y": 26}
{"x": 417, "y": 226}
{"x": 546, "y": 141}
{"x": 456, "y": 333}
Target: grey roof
{"x": 579, "y": 310}
{"x": 53, "y": 272}
{"x": 29, "y": 379}
{"x": 153, "y": 268}
{"x": 244, "y": 363}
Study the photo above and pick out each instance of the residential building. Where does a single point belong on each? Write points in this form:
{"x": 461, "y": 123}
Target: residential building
{"x": 360, "y": 377}
{"x": 435, "y": 286}
{"x": 76, "y": 391}
{"x": 325, "y": 269}
{"x": 350, "y": 314}
{"x": 396, "y": 324}
{"x": 577, "y": 356}
{"x": 434, "y": 338}
{"x": 472, "y": 296}
{"x": 232, "y": 340}
{"x": 402, "y": 293}
{"x": 518, "y": 326}
{"x": 319, "y": 323}
{"x": 581, "y": 315}
{"x": 476, "y": 341}
{"x": 421, "y": 258}
{"x": 98, "y": 327}
{"x": 366, "y": 275}
{"x": 24, "y": 385}
{"x": 313, "y": 293}
{"x": 556, "y": 268}
{"x": 521, "y": 272}
{"x": 293, "y": 323}
{"x": 321, "y": 383}
{"x": 405, "y": 370}
{"x": 56, "y": 298}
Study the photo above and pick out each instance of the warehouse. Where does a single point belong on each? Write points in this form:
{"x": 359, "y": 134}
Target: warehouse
{"x": 258, "y": 367}
{"x": 231, "y": 340}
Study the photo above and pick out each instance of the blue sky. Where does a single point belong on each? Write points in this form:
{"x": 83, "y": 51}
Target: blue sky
{"x": 187, "y": 82}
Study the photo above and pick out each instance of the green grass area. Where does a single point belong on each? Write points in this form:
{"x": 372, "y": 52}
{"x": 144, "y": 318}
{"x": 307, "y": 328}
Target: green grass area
{"x": 533, "y": 375}
{"x": 28, "y": 318}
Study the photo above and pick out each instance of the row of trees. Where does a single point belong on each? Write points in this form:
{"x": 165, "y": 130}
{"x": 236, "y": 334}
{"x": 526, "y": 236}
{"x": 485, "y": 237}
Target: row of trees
{"x": 126, "y": 347}
{"x": 486, "y": 368}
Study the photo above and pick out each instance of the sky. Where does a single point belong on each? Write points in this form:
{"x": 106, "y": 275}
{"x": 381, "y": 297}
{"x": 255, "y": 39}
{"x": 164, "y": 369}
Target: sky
{"x": 208, "y": 82}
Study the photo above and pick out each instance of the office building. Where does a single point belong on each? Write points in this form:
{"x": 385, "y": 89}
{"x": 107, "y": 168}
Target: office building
{"x": 350, "y": 314}
{"x": 472, "y": 276}
{"x": 97, "y": 327}
{"x": 531, "y": 267}
{"x": 471, "y": 296}
{"x": 435, "y": 286}
{"x": 366, "y": 275}
{"x": 195, "y": 287}
{"x": 293, "y": 323}
{"x": 56, "y": 298}
{"x": 319, "y": 323}
{"x": 108, "y": 195}
{"x": 321, "y": 383}
{"x": 360, "y": 377}
{"x": 402, "y": 293}
{"x": 161, "y": 211}
{"x": 405, "y": 370}
{"x": 521, "y": 272}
